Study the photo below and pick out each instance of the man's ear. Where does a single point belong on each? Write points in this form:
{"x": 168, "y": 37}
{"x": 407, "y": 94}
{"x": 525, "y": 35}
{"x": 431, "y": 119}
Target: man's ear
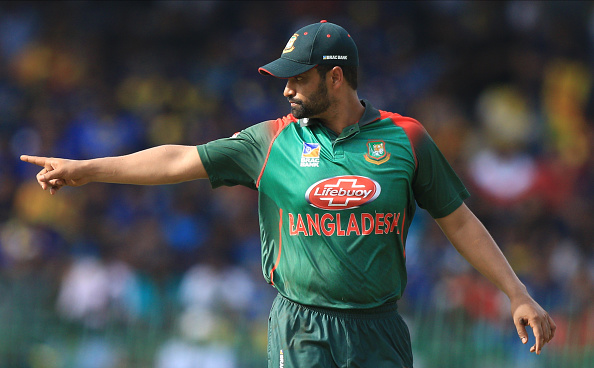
{"x": 336, "y": 76}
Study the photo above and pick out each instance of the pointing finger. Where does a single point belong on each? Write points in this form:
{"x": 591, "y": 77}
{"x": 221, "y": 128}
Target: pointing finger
{"x": 39, "y": 161}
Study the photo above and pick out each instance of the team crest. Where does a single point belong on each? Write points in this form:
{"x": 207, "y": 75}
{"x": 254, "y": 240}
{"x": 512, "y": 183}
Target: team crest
{"x": 290, "y": 46}
{"x": 376, "y": 152}
{"x": 310, "y": 157}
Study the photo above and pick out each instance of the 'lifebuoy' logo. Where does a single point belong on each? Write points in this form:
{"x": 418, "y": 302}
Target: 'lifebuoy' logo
{"x": 342, "y": 192}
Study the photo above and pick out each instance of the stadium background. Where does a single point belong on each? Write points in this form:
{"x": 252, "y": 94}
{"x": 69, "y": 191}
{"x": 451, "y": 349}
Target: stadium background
{"x": 120, "y": 276}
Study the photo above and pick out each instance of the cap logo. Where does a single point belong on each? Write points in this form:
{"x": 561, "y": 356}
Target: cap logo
{"x": 290, "y": 46}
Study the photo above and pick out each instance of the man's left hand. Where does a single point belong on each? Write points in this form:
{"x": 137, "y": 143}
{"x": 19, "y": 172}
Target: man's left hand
{"x": 527, "y": 312}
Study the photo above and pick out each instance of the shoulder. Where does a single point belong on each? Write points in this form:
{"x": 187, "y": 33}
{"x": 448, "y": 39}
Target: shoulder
{"x": 270, "y": 127}
{"x": 280, "y": 123}
{"x": 411, "y": 127}
{"x": 265, "y": 129}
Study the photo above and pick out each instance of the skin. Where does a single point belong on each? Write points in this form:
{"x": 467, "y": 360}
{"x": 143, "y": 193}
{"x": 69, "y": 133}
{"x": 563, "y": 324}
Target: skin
{"x": 472, "y": 240}
{"x": 336, "y": 105}
{"x": 344, "y": 107}
{"x": 314, "y": 105}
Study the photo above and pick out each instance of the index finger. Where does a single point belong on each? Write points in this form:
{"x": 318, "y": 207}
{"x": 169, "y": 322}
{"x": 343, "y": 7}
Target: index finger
{"x": 39, "y": 161}
{"x": 538, "y": 332}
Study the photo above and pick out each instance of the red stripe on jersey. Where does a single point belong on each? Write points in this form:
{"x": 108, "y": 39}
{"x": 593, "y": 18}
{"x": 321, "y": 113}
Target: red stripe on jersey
{"x": 413, "y": 129}
{"x": 402, "y": 233}
{"x": 277, "y": 127}
{"x": 280, "y": 246}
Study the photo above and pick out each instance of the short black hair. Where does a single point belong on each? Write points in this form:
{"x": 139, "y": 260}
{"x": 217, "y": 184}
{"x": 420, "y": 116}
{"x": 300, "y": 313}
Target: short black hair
{"x": 349, "y": 72}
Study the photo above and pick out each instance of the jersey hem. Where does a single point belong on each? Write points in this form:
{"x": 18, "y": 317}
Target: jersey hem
{"x": 383, "y": 310}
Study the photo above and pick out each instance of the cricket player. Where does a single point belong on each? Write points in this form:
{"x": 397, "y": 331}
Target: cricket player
{"x": 338, "y": 183}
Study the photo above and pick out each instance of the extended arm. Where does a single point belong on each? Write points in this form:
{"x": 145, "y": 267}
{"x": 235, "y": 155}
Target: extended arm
{"x": 472, "y": 240}
{"x": 166, "y": 164}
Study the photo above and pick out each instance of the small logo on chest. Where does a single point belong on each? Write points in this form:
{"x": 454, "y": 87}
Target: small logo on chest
{"x": 376, "y": 152}
{"x": 310, "y": 157}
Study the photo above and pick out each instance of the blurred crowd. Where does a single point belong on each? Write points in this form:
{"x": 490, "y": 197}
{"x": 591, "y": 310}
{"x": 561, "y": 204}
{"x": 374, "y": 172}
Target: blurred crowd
{"x": 506, "y": 89}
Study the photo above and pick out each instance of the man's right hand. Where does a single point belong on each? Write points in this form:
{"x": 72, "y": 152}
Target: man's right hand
{"x": 166, "y": 164}
{"x": 58, "y": 172}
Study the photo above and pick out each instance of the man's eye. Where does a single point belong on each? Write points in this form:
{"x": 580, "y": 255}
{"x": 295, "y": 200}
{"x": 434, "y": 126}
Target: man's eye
{"x": 299, "y": 78}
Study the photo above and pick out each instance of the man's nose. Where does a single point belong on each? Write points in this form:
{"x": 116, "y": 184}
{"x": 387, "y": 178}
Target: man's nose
{"x": 289, "y": 91}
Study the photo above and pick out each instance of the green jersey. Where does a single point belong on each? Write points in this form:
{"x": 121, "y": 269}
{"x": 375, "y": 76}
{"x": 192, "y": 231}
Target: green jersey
{"x": 335, "y": 210}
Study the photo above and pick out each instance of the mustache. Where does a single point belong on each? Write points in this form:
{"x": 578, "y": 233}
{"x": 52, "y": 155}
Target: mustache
{"x": 297, "y": 101}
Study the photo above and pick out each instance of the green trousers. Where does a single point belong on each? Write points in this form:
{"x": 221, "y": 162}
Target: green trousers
{"x": 302, "y": 336}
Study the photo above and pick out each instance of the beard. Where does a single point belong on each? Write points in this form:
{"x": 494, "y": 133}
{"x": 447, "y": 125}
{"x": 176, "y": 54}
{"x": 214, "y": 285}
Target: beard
{"x": 318, "y": 103}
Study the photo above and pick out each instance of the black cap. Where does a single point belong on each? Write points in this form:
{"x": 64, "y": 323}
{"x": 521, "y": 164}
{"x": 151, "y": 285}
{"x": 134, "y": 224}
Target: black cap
{"x": 312, "y": 45}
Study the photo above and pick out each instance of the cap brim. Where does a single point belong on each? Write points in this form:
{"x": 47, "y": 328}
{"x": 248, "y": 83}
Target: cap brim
{"x": 284, "y": 68}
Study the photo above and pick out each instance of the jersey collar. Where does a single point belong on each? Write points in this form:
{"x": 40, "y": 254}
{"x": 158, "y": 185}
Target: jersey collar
{"x": 370, "y": 115}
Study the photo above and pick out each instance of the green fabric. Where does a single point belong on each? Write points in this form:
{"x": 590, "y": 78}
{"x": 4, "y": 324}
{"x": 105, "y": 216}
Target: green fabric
{"x": 320, "y": 247}
{"x": 300, "y": 336}
{"x": 237, "y": 160}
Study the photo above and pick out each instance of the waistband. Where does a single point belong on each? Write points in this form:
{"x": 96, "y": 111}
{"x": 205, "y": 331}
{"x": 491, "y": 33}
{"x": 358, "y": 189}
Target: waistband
{"x": 384, "y": 310}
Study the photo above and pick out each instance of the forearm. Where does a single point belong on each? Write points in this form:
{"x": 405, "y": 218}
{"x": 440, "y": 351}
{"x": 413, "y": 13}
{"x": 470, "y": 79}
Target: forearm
{"x": 472, "y": 240}
{"x": 167, "y": 164}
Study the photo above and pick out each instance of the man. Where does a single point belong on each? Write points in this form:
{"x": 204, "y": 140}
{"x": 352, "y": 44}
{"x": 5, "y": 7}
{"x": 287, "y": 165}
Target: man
{"x": 338, "y": 183}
